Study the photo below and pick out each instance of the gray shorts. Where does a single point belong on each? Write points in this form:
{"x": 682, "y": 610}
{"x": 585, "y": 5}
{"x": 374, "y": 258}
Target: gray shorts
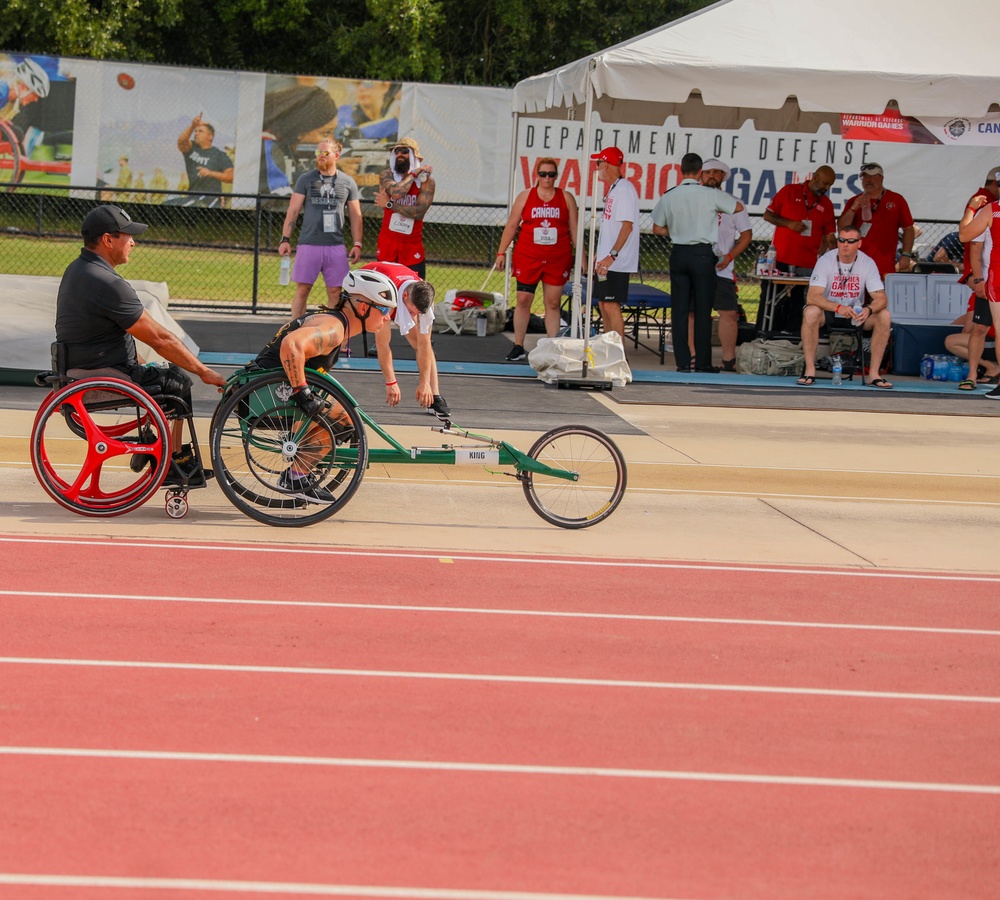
{"x": 725, "y": 295}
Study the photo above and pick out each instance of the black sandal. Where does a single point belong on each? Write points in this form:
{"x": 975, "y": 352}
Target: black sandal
{"x": 729, "y": 365}
{"x": 806, "y": 381}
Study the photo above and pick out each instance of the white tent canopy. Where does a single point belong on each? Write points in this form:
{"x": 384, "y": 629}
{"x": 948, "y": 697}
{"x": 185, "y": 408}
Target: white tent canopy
{"x": 849, "y": 56}
{"x": 789, "y": 65}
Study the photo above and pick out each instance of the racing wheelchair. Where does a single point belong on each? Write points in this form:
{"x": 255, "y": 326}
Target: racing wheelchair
{"x": 101, "y": 444}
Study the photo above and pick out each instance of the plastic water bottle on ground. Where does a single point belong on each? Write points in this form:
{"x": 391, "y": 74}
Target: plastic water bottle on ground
{"x": 838, "y": 371}
{"x": 285, "y": 272}
{"x": 927, "y": 367}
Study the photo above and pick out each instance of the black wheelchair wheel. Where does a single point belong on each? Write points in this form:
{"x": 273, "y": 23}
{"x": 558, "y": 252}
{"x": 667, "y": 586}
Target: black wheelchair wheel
{"x": 601, "y": 477}
{"x": 100, "y": 446}
{"x": 280, "y": 466}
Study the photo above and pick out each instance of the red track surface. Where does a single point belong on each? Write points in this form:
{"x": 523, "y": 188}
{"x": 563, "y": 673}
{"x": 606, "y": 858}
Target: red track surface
{"x": 547, "y": 727}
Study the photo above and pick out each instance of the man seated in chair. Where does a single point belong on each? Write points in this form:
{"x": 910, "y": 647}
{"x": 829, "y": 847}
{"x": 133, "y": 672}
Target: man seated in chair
{"x": 840, "y": 278}
{"x": 99, "y": 317}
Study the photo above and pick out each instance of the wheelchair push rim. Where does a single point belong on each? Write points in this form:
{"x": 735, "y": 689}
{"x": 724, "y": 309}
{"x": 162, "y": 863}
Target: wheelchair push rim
{"x": 279, "y": 466}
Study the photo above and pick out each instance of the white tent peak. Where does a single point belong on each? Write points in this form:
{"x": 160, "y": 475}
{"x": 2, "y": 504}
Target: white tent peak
{"x": 849, "y": 56}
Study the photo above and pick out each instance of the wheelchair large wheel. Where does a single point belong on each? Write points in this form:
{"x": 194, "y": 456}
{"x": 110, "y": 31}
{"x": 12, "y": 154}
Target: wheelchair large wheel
{"x": 100, "y": 446}
{"x": 601, "y": 481}
{"x": 280, "y": 466}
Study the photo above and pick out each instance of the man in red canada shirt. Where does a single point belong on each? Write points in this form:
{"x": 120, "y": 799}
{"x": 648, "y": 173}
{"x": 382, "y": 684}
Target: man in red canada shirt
{"x": 881, "y": 215}
{"x": 804, "y": 224}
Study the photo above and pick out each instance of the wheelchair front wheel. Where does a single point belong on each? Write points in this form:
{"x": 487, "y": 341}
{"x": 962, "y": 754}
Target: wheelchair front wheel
{"x": 280, "y": 466}
{"x": 600, "y": 484}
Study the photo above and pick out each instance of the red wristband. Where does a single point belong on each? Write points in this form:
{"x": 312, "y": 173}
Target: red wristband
{"x": 391, "y": 383}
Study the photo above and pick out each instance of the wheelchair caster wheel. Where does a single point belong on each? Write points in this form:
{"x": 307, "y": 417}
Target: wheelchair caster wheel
{"x": 177, "y": 505}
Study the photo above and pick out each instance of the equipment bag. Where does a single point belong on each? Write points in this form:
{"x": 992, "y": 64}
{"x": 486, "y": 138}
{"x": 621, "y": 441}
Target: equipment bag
{"x": 764, "y": 357}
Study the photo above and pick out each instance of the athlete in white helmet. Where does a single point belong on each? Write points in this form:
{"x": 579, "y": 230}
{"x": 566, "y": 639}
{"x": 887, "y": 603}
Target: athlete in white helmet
{"x": 366, "y": 303}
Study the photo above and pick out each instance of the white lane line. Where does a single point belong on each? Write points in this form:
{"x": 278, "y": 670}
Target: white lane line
{"x": 477, "y": 610}
{"x": 288, "y": 887}
{"x": 506, "y": 560}
{"x": 422, "y": 765}
{"x": 496, "y": 679}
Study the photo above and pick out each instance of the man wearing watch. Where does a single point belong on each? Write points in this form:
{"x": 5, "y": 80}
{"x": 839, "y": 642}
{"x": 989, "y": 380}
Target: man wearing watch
{"x": 884, "y": 218}
{"x": 406, "y": 192}
{"x": 322, "y": 195}
{"x": 617, "y": 254}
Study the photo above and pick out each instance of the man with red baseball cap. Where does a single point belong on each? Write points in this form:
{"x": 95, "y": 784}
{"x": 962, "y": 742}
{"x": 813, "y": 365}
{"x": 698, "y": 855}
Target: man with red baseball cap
{"x": 617, "y": 254}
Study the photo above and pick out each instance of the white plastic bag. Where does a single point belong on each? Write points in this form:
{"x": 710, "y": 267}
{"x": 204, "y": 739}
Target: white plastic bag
{"x": 555, "y": 357}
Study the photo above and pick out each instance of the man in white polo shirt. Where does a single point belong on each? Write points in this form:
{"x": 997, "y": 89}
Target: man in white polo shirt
{"x": 840, "y": 278}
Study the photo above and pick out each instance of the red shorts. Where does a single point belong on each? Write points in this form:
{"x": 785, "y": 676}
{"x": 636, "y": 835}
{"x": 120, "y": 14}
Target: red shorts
{"x": 529, "y": 271}
{"x": 391, "y": 248}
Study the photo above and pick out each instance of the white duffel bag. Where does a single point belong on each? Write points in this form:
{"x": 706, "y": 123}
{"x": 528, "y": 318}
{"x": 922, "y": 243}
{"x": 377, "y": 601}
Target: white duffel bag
{"x": 553, "y": 358}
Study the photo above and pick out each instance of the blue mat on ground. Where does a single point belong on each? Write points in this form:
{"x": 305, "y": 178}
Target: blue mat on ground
{"x": 641, "y": 376}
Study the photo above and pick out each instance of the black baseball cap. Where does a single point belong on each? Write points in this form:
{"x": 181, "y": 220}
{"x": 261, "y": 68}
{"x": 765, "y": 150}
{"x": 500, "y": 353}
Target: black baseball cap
{"x": 109, "y": 219}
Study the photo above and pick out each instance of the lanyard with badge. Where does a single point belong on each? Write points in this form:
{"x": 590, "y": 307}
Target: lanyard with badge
{"x": 331, "y": 215}
{"x": 807, "y": 221}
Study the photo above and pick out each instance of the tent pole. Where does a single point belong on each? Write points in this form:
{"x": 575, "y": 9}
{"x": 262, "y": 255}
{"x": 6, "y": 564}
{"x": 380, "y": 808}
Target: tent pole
{"x": 511, "y": 193}
{"x": 581, "y": 224}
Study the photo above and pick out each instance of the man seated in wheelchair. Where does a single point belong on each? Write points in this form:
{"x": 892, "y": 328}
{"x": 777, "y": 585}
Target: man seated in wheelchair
{"x": 98, "y": 318}
{"x": 314, "y": 341}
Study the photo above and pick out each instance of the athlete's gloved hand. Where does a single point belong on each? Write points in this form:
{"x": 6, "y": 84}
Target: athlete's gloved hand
{"x": 308, "y": 402}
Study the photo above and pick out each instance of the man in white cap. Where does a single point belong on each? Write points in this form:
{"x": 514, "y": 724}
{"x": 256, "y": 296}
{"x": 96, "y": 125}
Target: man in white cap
{"x": 617, "y": 253}
{"x": 734, "y": 237}
{"x": 406, "y": 192}
{"x": 882, "y": 215}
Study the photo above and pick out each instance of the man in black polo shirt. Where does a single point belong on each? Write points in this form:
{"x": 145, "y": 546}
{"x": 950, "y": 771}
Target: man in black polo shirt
{"x": 99, "y": 315}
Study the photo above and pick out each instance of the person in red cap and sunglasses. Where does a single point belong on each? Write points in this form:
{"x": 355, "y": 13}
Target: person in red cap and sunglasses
{"x": 617, "y": 254}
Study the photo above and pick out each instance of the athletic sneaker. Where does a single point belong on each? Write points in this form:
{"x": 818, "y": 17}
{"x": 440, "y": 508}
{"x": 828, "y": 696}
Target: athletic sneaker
{"x": 994, "y": 394}
{"x": 439, "y": 407}
{"x": 185, "y": 471}
{"x": 516, "y": 353}
{"x": 139, "y": 461}
{"x": 304, "y": 487}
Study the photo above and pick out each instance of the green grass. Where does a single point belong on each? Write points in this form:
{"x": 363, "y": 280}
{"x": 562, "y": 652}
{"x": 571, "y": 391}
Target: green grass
{"x": 225, "y": 277}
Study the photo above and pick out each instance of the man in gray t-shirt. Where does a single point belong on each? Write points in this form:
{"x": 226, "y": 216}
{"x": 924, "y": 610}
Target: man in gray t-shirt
{"x": 323, "y": 196}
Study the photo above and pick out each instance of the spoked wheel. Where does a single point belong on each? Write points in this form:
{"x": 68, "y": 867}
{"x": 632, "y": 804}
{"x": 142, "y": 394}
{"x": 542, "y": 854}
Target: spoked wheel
{"x": 100, "y": 447}
{"x": 280, "y": 466}
{"x": 600, "y": 485}
{"x": 10, "y": 156}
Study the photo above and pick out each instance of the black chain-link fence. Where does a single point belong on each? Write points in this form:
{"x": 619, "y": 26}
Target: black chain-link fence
{"x": 226, "y": 258}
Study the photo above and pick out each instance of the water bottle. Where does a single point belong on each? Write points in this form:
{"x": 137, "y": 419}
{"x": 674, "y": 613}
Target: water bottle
{"x": 771, "y": 259}
{"x": 941, "y": 367}
{"x": 760, "y": 264}
{"x": 866, "y": 208}
{"x": 838, "y": 372}
{"x": 858, "y": 307}
{"x": 927, "y": 367}
{"x": 285, "y": 272}
{"x": 954, "y": 368}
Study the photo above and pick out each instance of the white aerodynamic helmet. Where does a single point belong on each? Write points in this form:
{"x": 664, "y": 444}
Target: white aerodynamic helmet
{"x": 35, "y": 78}
{"x": 372, "y": 287}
